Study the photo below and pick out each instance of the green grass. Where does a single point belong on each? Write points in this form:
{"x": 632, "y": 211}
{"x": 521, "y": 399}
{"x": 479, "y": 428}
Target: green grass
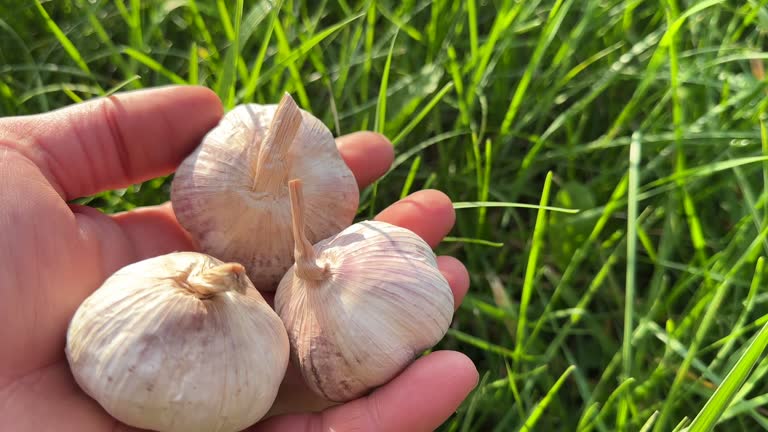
{"x": 641, "y": 309}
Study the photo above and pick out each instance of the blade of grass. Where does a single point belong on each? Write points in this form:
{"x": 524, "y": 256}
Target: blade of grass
{"x": 615, "y": 397}
{"x": 481, "y": 343}
{"x": 501, "y": 24}
{"x": 381, "y": 105}
{"x": 258, "y": 62}
{"x": 458, "y": 81}
{"x": 194, "y": 75}
{"x": 755, "y": 379}
{"x": 530, "y": 270}
{"x": 708, "y": 417}
{"x": 381, "y": 114}
{"x": 25, "y": 50}
{"x": 67, "y": 44}
{"x": 401, "y": 25}
{"x": 245, "y": 29}
{"x": 581, "y": 254}
{"x": 635, "y": 153}
{"x": 103, "y": 36}
{"x": 472, "y": 21}
{"x": 764, "y": 147}
{"x": 134, "y": 32}
{"x": 258, "y": 79}
{"x": 226, "y": 22}
{"x": 557, "y": 14}
{"x": 477, "y": 204}
{"x": 682, "y": 425}
{"x": 368, "y": 65}
{"x": 72, "y": 95}
{"x": 757, "y": 282}
{"x": 154, "y": 65}
{"x": 345, "y": 59}
{"x": 581, "y": 310}
{"x": 481, "y": 242}
{"x": 51, "y": 88}
{"x": 199, "y": 22}
{"x": 588, "y": 416}
{"x": 406, "y": 155}
{"x": 225, "y": 87}
{"x": 539, "y": 409}
{"x": 473, "y": 403}
{"x": 121, "y": 85}
{"x": 515, "y": 389}
{"x": 711, "y": 312}
{"x": 289, "y": 59}
{"x": 648, "y": 425}
{"x": 744, "y": 407}
{"x": 484, "y": 186}
{"x": 137, "y": 39}
{"x": 132, "y": 18}
{"x": 423, "y": 113}
{"x": 411, "y": 176}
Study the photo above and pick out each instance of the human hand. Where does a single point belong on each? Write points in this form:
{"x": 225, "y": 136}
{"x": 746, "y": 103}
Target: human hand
{"x": 53, "y": 255}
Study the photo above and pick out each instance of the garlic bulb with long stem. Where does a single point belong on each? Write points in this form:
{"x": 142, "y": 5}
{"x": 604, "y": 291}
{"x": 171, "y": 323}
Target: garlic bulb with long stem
{"x": 179, "y": 342}
{"x": 231, "y": 193}
{"x": 361, "y": 305}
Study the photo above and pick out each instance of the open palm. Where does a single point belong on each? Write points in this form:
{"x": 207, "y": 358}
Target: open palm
{"x": 53, "y": 255}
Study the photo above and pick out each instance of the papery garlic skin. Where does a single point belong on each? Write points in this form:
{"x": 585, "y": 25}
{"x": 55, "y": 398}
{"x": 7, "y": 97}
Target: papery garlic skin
{"x": 179, "y": 342}
{"x": 231, "y": 193}
{"x": 375, "y": 301}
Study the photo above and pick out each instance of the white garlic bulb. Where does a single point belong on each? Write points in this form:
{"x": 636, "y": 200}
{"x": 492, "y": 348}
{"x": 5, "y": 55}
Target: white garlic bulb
{"x": 231, "y": 193}
{"x": 360, "y": 305}
{"x": 179, "y": 342}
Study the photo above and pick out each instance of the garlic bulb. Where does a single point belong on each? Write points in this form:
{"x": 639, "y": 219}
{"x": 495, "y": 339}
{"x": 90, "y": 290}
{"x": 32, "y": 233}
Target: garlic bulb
{"x": 231, "y": 193}
{"x": 361, "y": 305}
{"x": 179, "y": 342}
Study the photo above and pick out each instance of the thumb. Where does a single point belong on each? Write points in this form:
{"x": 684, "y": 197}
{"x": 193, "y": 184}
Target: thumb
{"x": 115, "y": 141}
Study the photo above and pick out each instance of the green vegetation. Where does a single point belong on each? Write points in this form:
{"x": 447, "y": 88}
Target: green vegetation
{"x": 644, "y": 309}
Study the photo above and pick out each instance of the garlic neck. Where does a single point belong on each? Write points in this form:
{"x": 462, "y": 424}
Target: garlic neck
{"x": 217, "y": 280}
{"x": 304, "y": 253}
{"x": 271, "y": 162}
{"x": 308, "y": 269}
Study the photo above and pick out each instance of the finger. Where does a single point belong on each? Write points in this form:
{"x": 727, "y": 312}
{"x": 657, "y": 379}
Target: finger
{"x": 49, "y": 399}
{"x": 419, "y": 399}
{"x": 369, "y": 155}
{"x": 294, "y": 396}
{"x": 154, "y": 231}
{"x": 456, "y": 275}
{"x": 428, "y": 213}
{"x": 119, "y": 140}
{"x": 132, "y": 236}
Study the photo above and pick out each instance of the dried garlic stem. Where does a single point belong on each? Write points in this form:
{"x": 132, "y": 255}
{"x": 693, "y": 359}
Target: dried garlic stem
{"x": 271, "y": 162}
{"x": 304, "y": 253}
{"x": 218, "y": 279}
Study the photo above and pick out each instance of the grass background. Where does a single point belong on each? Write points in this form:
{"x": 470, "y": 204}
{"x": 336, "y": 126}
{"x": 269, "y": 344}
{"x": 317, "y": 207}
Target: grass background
{"x": 640, "y": 308}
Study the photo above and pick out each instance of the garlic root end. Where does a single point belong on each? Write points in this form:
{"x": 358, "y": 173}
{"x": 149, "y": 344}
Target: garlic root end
{"x": 217, "y": 279}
